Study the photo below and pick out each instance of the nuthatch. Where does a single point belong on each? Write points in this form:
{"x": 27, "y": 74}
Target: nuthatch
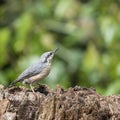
{"x": 37, "y": 71}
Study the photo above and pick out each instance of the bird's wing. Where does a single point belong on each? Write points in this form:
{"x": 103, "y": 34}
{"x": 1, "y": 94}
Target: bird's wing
{"x": 29, "y": 72}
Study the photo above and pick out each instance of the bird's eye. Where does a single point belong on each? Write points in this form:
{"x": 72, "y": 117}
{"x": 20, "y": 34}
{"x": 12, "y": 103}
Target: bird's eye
{"x": 50, "y": 53}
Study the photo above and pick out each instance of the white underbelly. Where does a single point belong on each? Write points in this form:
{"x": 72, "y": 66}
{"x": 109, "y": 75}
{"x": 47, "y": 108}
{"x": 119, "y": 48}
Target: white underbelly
{"x": 37, "y": 77}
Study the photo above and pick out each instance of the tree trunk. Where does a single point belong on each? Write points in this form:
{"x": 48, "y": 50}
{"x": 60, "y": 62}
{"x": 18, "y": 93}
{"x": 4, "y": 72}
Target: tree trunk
{"x": 18, "y": 103}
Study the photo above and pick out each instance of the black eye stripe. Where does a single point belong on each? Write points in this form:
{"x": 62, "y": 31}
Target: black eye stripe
{"x": 50, "y": 54}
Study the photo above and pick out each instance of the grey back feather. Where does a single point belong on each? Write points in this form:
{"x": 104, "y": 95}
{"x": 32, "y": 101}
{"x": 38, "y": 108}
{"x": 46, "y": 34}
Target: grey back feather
{"x": 30, "y": 71}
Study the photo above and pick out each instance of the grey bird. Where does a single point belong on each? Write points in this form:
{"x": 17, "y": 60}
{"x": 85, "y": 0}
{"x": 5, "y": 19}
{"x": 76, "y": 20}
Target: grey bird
{"x": 37, "y": 71}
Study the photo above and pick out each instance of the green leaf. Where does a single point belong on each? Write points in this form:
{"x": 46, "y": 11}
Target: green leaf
{"x": 4, "y": 38}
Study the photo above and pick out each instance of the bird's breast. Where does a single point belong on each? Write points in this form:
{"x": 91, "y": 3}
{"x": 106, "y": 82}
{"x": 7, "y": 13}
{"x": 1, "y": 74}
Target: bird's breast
{"x": 39, "y": 76}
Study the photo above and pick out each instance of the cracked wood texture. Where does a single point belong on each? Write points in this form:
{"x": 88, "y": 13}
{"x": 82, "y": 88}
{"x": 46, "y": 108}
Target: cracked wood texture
{"x": 19, "y": 103}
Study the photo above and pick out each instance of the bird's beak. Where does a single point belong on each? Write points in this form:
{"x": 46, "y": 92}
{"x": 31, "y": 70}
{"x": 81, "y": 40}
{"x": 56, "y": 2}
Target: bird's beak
{"x": 54, "y": 51}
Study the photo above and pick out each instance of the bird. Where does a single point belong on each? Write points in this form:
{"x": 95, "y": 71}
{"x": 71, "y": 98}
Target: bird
{"x": 37, "y": 71}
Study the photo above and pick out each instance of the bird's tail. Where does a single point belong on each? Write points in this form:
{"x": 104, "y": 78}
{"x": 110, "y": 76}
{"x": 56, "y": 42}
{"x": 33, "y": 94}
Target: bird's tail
{"x": 12, "y": 83}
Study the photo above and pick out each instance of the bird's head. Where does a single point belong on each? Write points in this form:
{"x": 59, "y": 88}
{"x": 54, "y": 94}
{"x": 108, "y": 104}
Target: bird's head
{"x": 47, "y": 56}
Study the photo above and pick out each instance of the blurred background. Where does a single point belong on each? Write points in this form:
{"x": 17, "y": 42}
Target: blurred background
{"x": 87, "y": 33}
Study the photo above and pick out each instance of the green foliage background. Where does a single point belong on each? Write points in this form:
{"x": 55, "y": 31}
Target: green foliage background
{"x": 87, "y": 33}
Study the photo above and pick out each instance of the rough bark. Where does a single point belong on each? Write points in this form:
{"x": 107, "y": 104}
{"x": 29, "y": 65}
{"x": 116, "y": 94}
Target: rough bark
{"x": 19, "y": 103}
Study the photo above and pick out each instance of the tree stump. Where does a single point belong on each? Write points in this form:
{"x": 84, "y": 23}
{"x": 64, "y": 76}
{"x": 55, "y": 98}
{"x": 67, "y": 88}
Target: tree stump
{"x": 78, "y": 103}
